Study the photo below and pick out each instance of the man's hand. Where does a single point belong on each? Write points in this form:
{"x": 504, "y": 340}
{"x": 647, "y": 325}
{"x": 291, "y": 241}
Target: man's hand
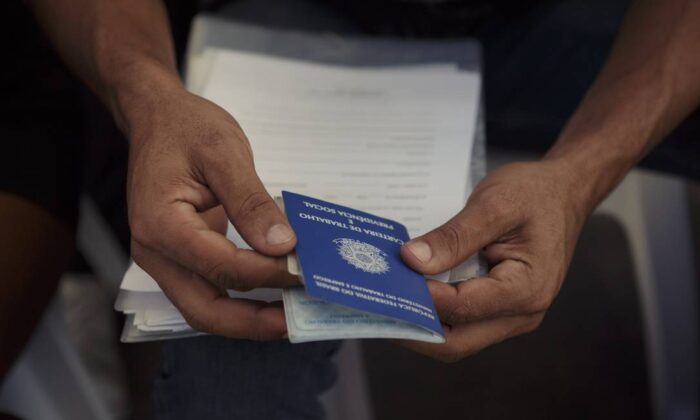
{"x": 189, "y": 157}
{"x": 525, "y": 218}
{"x": 528, "y": 216}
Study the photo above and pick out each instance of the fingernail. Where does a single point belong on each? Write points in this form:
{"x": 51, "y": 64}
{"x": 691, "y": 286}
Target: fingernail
{"x": 279, "y": 234}
{"x": 421, "y": 250}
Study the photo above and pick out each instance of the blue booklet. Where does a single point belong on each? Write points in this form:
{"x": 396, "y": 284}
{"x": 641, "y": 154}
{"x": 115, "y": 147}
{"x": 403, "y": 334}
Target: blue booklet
{"x": 352, "y": 258}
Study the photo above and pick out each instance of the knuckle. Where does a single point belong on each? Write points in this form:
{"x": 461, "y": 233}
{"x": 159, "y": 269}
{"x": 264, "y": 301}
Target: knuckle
{"x": 220, "y": 279}
{"x": 453, "y": 238}
{"x": 256, "y": 334}
{"x": 539, "y": 303}
{"x": 216, "y": 273}
{"x": 452, "y": 356}
{"x": 461, "y": 312}
{"x": 195, "y": 321}
{"x": 142, "y": 232}
{"x": 241, "y": 284}
{"x": 221, "y": 276}
{"x": 254, "y": 202}
{"x": 451, "y": 314}
{"x": 534, "y": 292}
{"x": 449, "y": 353}
{"x": 212, "y": 141}
{"x": 138, "y": 255}
{"x": 533, "y": 324}
{"x": 496, "y": 208}
{"x": 219, "y": 143}
{"x": 485, "y": 200}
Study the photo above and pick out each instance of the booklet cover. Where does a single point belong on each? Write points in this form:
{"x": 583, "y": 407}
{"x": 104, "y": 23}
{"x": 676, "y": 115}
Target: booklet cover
{"x": 352, "y": 258}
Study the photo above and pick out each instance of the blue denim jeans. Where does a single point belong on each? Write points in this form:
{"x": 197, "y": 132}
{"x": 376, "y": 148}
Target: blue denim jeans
{"x": 218, "y": 378}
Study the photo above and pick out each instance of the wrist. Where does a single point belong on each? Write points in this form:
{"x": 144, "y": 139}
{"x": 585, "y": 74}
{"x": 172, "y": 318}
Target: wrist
{"x": 138, "y": 91}
{"x": 589, "y": 167}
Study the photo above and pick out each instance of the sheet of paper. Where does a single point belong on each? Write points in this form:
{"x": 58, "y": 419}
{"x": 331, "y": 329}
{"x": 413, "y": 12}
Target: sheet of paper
{"x": 395, "y": 143}
{"x": 311, "y": 319}
{"x": 199, "y": 66}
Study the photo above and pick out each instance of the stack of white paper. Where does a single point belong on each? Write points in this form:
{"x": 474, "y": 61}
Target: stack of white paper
{"x": 393, "y": 141}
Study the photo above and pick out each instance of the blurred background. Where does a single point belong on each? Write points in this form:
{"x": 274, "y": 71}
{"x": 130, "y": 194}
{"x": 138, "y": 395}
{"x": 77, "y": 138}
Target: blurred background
{"x": 596, "y": 354}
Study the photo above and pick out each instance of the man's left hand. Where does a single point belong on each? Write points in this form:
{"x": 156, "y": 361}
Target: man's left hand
{"x": 525, "y": 218}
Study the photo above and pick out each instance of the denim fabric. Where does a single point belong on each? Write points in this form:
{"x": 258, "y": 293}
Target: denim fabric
{"x": 218, "y": 378}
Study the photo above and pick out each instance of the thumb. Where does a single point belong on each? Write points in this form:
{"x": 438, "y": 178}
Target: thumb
{"x": 251, "y": 209}
{"x": 464, "y": 235}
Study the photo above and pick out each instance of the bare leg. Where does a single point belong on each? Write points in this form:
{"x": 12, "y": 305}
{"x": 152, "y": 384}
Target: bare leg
{"x": 35, "y": 249}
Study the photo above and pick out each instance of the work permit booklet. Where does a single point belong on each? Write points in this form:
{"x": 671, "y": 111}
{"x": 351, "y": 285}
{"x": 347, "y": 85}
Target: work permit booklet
{"x": 355, "y": 282}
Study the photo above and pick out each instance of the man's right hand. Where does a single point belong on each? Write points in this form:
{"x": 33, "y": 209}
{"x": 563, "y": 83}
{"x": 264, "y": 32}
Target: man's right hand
{"x": 188, "y": 156}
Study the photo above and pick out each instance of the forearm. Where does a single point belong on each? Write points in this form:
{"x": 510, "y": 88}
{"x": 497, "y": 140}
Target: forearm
{"x": 649, "y": 84}
{"x": 121, "y": 49}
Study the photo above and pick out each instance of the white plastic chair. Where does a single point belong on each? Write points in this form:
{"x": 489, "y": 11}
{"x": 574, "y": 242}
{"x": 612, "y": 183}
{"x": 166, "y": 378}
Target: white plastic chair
{"x": 653, "y": 210}
{"x": 49, "y": 382}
